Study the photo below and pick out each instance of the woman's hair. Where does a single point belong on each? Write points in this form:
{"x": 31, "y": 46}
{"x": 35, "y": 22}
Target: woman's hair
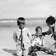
{"x": 20, "y": 20}
{"x": 50, "y": 20}
{"x": 38, "y": 27}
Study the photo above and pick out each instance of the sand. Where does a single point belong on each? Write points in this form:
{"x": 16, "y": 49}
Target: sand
{"x": 7, "y": 44}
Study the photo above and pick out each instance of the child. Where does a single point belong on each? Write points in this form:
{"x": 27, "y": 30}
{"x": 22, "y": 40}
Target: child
{"x": 37, "y": 42}
{"x": 22, "y": 37}
{"x": 50, "y": 21}
{"x": 37, "y": 37}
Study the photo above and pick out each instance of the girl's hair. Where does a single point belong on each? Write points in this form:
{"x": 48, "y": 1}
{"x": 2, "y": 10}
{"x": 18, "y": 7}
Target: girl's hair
{"x": 38, "y": 27}
{"x": 19, "y": 20}
{"x": 50, "y": 20}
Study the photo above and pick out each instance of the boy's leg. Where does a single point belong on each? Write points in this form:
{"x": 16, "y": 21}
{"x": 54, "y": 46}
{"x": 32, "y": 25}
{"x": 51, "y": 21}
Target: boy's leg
{"x": 26, "y": 52}
{"x": 18, "y": 50}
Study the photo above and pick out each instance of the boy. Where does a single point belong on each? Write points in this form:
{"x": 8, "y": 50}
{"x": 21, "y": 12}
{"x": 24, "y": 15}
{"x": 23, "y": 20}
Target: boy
{"x": 50, "y": 21}
{"x": 22, "y": 37}
{"x": 37, "y": 42}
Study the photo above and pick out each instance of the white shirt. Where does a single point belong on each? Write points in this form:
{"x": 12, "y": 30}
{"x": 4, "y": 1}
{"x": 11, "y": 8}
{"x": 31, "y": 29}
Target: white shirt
{"x": 26, "y": 36}
{"x": 48, "y": 40}
{"x": 37, "y": 41}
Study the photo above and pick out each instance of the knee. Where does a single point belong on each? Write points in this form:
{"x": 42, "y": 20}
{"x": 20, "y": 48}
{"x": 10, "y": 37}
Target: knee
{"x": 19, "y": 53}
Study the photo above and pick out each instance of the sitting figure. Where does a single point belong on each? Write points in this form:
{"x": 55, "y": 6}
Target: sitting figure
{"x": 40, "y": 43}
{"x": 37, "y": 38}
{"x": 37, "y": 41}
{"x": 51, "y": 22}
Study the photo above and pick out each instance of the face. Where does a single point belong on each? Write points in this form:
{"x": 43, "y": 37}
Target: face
{"x": 22, "y": 25}
{"x": 39, "y": 32}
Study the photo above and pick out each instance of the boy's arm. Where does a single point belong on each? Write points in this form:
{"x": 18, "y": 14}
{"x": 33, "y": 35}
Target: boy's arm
{"x": 15, "y": 36}
{"x": 46, "y": 33}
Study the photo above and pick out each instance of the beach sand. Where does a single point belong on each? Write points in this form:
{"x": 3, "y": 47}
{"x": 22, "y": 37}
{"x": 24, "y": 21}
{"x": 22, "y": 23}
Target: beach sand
{"x": 7, "y": 44}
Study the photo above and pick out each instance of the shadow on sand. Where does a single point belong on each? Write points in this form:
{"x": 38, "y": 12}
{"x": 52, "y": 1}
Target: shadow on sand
{"x": 10, "y": 51}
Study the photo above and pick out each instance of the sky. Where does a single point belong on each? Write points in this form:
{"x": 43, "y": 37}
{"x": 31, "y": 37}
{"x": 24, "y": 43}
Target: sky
{"x": 27, "y": 8}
